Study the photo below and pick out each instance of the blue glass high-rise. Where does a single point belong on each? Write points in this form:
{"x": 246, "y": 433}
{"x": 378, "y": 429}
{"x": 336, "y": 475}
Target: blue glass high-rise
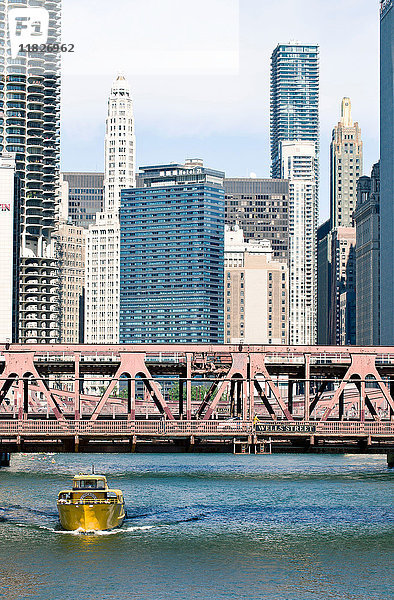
{"x": 294, "y": 98}
{"x": 172, "y": 256}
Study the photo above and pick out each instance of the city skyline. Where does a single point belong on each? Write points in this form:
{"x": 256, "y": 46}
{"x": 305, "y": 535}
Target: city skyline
{"x": 179, "y": 116}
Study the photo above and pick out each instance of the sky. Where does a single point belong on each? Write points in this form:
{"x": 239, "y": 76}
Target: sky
{"x": 199, "y": 75}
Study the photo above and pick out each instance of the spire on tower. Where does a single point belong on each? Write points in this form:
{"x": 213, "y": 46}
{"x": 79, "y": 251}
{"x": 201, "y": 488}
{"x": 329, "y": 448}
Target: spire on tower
{"x": 346, "y": 112}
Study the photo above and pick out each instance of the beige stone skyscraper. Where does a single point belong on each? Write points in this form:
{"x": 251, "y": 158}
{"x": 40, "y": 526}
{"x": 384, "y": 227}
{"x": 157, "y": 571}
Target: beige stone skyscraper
{"x": 256, "y": 292}
{"x": 346, "y": 167}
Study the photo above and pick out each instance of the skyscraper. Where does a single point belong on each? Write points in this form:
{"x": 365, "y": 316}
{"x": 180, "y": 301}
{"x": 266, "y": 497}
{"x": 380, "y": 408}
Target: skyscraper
{"x": 29, "y": 104}
{"x": 9, "y": 248}
{"x": 119, "y": 145}
{"x": 298, "y": 161}
{"x": 84, "y": 197}
{"x": 102, "y": 243}
{"x": 294, "y": 98}
{"x": 256, "y": 291}
{"x": 367, "y": 222}
{"x": 342, "y": 315}
{"x": 386, "y": 172}
{"x": 260, "y": 208}
{"x": 346, "y": 166}
{"x": 171, "y": 256}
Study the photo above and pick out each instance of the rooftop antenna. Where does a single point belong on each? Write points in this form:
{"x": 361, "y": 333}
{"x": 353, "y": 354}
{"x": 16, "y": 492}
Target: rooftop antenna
{"x": 93, "y": 470}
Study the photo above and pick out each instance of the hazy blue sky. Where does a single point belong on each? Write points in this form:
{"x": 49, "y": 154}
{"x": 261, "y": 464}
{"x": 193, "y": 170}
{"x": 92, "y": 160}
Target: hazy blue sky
{"x": 199, "y": 74}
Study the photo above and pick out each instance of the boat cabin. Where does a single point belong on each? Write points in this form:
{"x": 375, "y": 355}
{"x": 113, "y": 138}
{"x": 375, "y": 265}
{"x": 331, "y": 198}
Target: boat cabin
{"x": 90, "y": 482}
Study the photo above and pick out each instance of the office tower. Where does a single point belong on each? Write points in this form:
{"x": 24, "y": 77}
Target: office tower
{"x": 70, "y": 254}
{"x": 102, "y": 242}
{"x": 9, "y": 248}
{"x": 119, "y": 145}
{"x": 324, "y": 243}
{"x": 294, "y": 98}
{"x": 346, "y": 166}
{"x": 256, "y": 291}
{"x": 367, "y": 222}
{"x": 260, "y": 208}
{"x": 342, "y": 317}
{"x": 386, "y": 173}
{"x": 30, "y": 101}
{"x": 298, "y": 160}
{"x": 171, "y": 256}
{"x": 84, "y": 197}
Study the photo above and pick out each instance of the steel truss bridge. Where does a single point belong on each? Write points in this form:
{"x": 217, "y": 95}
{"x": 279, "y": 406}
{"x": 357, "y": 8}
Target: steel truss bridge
{"x": 118, "y": 398}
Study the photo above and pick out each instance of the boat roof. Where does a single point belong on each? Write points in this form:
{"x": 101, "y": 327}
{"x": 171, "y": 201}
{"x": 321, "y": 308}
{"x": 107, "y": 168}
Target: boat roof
{"x": 82, "y": 476}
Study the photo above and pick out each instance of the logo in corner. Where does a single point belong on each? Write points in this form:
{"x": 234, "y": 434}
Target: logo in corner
{"x": 27, "y": 26}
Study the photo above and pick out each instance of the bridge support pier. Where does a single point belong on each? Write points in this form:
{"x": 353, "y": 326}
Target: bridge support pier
{"x": 4, "y": 459}
{"x": 390, "y": 460}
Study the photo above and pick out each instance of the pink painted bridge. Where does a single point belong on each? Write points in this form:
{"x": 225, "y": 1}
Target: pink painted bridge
{"x": 116, "y": 397}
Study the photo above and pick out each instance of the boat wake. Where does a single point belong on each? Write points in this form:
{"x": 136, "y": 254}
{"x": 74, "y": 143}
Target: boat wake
{"x": 77, "y": 532}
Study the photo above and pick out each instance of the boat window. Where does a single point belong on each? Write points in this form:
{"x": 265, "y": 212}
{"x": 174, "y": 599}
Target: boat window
{"x": 85, "y": 484}
{"x": 100, "y": 484}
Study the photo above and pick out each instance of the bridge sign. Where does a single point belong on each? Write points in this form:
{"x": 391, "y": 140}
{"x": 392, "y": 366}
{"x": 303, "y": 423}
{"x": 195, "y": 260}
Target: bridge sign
{"x": 285, "y": 428}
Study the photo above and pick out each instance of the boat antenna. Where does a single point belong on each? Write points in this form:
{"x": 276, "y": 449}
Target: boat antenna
{"x": 92, "y": 469}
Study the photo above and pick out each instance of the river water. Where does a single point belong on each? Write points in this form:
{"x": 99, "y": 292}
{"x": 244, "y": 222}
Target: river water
{"x": 203, "y": 527}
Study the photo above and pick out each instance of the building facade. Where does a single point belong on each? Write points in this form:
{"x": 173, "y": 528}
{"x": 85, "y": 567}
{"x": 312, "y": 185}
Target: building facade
{"x": 260, "y": 208}
{"x": 256, "y": 292}
{"x": 342, "y": 319}
{"x": 172, "y": 256}
{"x": 30, "y": 103}
{"x": 83, "y": 197}
{"x": 386, "y": 172}
{"x": 9, "y": 248}
{"x": 102, "y": 282}
{"x": 294, "y": 98}
{"x": 346, "y": 166}
{"x": 298, "y": 160}
{"x": 103, "y": 242}
{"x": 367, "y": 223}
{"x": 70, "y": 254}
{"x": 119, "y": 145}
{"x": 324, "y": 245}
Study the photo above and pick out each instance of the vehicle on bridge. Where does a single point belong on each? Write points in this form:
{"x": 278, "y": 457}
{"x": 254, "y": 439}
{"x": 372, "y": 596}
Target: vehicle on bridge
{"x": 90, "y": 505}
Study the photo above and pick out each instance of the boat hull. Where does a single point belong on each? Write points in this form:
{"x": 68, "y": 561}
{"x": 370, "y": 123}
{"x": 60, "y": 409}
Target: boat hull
{"x": 91, "y": 517}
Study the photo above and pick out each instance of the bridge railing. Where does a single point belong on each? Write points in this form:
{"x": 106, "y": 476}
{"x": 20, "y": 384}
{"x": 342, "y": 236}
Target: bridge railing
{"x": 196, "y": 428}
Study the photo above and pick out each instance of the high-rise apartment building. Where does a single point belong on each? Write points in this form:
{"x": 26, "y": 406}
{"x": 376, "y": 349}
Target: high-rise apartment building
{"x": 255, "y": 292}
{"x": 260, "y": 208}
{"x": 294, "y": 98}
{"x": 29, "y": 104}
{"x": 102, "y": 242}
{"x": 70, "y": 254}
{"x": 346, "y": 166}
{"x": 298, "y": 160}
{"x": 386, "y": 172}
{"x": 84, "y": 197}
{"x": 102, "y": 282}
{"x": 171, "y": 256}
{"x": 9, "y": 248}
{"x": 342, "y": 316}
{"x": 367, "y": 223}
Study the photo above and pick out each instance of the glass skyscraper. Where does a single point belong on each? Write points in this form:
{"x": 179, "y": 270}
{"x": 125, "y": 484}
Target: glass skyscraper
{"x": 172, "y": 256}
{"x": 294, "y": 98}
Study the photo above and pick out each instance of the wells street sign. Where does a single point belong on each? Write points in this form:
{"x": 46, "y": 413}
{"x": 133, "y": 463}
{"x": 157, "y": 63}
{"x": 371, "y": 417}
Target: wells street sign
{"x": 285, "y": 428}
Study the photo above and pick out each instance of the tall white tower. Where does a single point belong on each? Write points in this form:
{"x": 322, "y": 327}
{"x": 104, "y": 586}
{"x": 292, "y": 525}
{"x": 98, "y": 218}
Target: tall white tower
{"x": 119, "y": 145}
{"x": 102, "y": 243}
{"x": 298, "y": 165}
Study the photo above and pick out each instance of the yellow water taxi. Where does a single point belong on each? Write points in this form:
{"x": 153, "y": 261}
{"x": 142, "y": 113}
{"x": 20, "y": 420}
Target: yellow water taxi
{"x": 90, "y": 505}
